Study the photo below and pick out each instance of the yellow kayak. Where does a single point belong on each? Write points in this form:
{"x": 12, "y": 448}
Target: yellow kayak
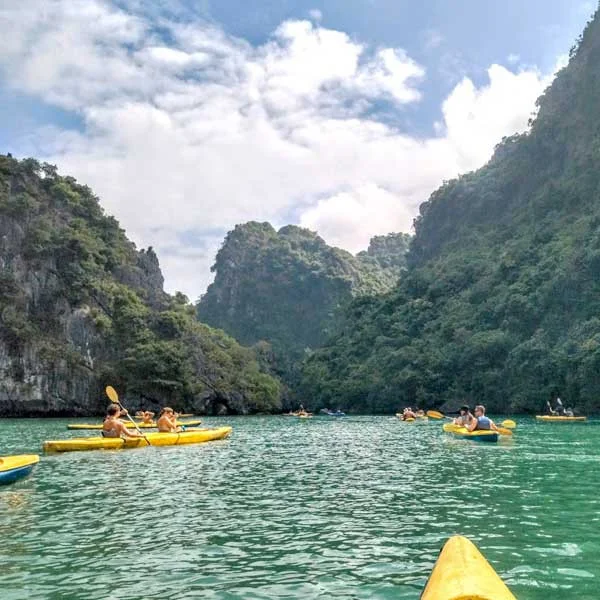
{"x": 92, "y": 426}
{"x": 411, "y": 419}
{"x": 193, "y": 436}
{"x": 477, "y": 436}
{"x": 461, "y": 572}
{"x": 16, "y": 467}
{"x": 555, "y": 419}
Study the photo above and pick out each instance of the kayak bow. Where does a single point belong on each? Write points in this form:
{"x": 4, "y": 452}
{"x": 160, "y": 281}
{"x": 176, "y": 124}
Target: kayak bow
{"x": 461, "y": 572}
{"x": 13, "y": 468}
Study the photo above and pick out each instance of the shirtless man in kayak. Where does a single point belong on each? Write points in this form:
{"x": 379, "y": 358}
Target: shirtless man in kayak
{"x": 167, "y": 422}
{"x": 481, "y": 422}
{"x": 113, "y": 427}
{"x": 408, "y": 413}
{"x": 465, "y": 417}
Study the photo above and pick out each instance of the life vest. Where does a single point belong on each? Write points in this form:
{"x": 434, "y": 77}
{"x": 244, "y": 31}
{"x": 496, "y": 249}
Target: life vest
{"x": 483, "y": 423}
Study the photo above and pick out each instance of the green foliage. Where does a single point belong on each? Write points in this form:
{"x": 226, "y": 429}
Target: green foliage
{"x": 74, "y": 288}
{"x": 389, "y": 251}
{"x": 288, "y": 287}
{"x": 501, "y": 300}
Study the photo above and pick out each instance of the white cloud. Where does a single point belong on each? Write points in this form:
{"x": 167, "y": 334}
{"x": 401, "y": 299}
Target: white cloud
{"x": 477, "y": 119}
{"x": 341, "y": 218}
{"x": 184, "y": 139}
{"x": 315, "y": 14}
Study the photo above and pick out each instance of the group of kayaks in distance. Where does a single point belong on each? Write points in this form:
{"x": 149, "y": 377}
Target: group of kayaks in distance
{"x": 118, "y": 434}
{"x": 461, "y": 572}
{"x": 476, "y": 425}
{"x": 302, "y": 413}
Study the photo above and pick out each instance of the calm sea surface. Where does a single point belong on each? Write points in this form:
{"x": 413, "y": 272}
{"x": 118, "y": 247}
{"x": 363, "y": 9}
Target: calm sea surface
{"x": 354, "y": 507}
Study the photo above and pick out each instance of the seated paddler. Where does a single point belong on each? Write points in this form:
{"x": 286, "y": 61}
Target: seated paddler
{"x": 481, "y": 422}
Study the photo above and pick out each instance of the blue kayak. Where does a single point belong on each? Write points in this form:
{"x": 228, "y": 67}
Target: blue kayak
{"x": 13, "y": 468}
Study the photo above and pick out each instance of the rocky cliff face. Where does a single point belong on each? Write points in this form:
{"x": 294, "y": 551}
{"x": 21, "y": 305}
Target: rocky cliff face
{"x": 286, "y": 286}
{"x": 81, "y": 308}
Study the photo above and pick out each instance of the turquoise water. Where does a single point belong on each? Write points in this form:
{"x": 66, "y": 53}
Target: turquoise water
{"x": 356, "y": 507}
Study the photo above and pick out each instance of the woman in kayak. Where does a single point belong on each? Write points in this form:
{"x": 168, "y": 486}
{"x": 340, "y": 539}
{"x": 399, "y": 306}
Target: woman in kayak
{"x": 113, "y": 427}
{"x": 167, "y": 421}
{"x": 481, "y": 422}
{"x": 465, "y": 417}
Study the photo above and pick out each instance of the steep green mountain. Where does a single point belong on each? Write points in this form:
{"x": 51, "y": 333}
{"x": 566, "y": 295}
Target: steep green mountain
{"x": 286, "y": 287}
{"x": 501, "y": 300}
{"x": 389, "y": 251}
{"x": 81, "y": 308}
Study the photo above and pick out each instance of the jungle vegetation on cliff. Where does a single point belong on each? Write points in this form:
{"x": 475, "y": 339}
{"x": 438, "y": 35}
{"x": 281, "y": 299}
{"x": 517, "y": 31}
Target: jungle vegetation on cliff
{"x": 501, "y": 301}
{"x": 287, "y": 288}
{"x": 81, "y": 308}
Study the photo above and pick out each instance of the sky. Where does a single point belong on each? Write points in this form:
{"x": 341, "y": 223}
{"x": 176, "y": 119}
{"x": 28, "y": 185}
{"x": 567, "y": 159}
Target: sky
{"x": 188, "y": 117}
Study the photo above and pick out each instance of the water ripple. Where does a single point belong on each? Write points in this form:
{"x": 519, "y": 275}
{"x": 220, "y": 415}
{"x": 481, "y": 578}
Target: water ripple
{"x": 348, "y": 508}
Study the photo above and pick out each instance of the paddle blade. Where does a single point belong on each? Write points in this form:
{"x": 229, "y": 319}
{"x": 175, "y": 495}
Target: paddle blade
{"x": 434, "y": 414}
{"x": 509, "y": 423}
{"x": 503, "y": 431}
{"x": 112, "y": 394}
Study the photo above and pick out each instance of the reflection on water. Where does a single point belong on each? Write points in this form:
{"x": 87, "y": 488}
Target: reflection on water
{"x": 356, "y": 507}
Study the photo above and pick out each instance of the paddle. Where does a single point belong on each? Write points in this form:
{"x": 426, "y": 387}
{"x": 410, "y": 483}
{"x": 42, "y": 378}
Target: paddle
{"x": 509, "y": 423}
{"x": 114, "y": 398}
{"x": 434, "y": 414}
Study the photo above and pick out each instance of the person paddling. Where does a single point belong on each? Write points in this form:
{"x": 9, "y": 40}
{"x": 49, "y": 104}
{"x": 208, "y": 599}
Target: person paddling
{"x": 481, "y": 422}
{"x": 560, "y": 409}
{"x": 167, "y": 421}
{"x": 465, "y": 417}
{"x": 113, "y": 427}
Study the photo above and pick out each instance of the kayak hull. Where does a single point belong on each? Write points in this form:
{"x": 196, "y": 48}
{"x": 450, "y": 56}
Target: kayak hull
{"x": 461, "y": 572}
{"x": 475, "y": 436}
{"x": 197, "y": 436}
{"x": 554, "y": 419}
{"x": 13, "y": 468}
{"x": 95, "y": 426}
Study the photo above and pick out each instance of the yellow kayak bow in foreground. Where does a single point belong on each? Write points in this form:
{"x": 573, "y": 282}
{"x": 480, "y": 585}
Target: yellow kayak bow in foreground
{"x": 462, "y": 573}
